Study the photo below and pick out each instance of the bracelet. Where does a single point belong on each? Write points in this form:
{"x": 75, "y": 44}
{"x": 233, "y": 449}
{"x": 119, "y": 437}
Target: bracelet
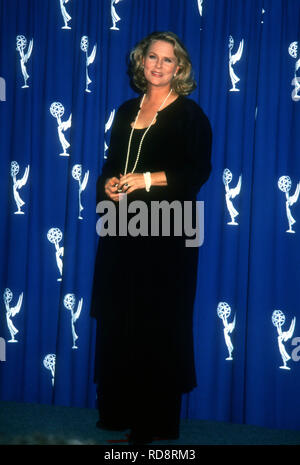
{"x": 147, "y": 177}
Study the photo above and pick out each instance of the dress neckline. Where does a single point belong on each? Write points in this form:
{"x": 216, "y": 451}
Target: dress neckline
{"x": 160, "y": 111}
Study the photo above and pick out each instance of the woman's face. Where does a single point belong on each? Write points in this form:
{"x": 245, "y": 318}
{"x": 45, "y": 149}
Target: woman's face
{"x": 160, "y": 64}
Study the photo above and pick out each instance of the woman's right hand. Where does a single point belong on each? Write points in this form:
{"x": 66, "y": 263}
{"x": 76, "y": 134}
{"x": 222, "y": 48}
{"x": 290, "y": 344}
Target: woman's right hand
{"x": 111, "y": 188}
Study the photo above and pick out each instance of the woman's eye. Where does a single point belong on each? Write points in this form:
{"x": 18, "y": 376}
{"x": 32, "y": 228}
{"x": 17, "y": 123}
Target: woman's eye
{"x": 151, "y": 56}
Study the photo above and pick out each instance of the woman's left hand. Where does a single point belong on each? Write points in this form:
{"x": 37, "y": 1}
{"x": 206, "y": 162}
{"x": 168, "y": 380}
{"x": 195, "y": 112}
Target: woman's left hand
{"x": 131, "y": 182}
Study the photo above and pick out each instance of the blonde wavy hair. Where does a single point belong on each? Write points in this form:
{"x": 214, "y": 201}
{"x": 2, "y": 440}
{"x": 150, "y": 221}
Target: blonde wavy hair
{"x": 183, "y": 83}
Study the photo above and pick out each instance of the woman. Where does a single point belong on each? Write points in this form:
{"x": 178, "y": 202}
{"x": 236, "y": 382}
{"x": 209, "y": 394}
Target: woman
{"x": 144, "y": 285}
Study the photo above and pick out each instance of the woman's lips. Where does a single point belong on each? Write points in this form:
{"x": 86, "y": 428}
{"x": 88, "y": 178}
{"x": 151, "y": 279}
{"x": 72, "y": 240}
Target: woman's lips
{"x": 154, "y": 73}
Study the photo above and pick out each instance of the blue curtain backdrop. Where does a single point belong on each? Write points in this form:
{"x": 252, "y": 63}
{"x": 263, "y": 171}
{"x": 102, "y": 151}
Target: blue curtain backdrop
{"x": 63, "y": 68}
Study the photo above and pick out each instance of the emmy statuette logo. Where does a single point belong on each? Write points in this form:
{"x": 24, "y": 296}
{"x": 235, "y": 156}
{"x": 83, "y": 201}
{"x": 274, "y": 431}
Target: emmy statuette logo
{"x": 24, "y": 57}
{"x": 57, "y": 110}
{"x": 18, "y": 184}
{"x": 285, "y": 184}
{"x": 293, "y": 51}
{"x": 69, "y": 303}
{"x": 54, "y": 236}
{"x": 77, "y": 174}
{"x": 107, "y": 128}
{"x": 278, "y": 320}
{"x": 231, "y": 193}
{"x": 65, "y": 14}
{"x": 200, "y": 7}
{"x": 11, "y": 312}
{"x": 84, "y": 45}
{"x": 224, "y": 311}
{"x": 114, "y": 17}
{"x": 49, "y": 363}
{"x": 233, "y": 59}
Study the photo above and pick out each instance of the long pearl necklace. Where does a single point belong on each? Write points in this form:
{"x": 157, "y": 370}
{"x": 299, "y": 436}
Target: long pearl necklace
{"x": 143, "y": 137}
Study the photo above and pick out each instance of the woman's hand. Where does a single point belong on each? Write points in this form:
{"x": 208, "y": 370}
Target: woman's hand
{"x": 131, "y": 182}
{"x": 111, "y": 188}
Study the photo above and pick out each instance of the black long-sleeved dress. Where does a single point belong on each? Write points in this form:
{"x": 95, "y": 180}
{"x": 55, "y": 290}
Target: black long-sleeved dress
{"x": 144, "y": 287}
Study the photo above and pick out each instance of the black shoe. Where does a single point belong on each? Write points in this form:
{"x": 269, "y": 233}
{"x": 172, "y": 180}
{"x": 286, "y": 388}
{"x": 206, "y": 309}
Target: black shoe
{"x": 111, "y": 427}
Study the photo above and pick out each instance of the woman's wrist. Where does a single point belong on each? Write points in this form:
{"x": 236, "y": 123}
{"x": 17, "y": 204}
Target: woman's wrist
{"x": 148, "y": 181}
{"x": 157, "y": 179}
